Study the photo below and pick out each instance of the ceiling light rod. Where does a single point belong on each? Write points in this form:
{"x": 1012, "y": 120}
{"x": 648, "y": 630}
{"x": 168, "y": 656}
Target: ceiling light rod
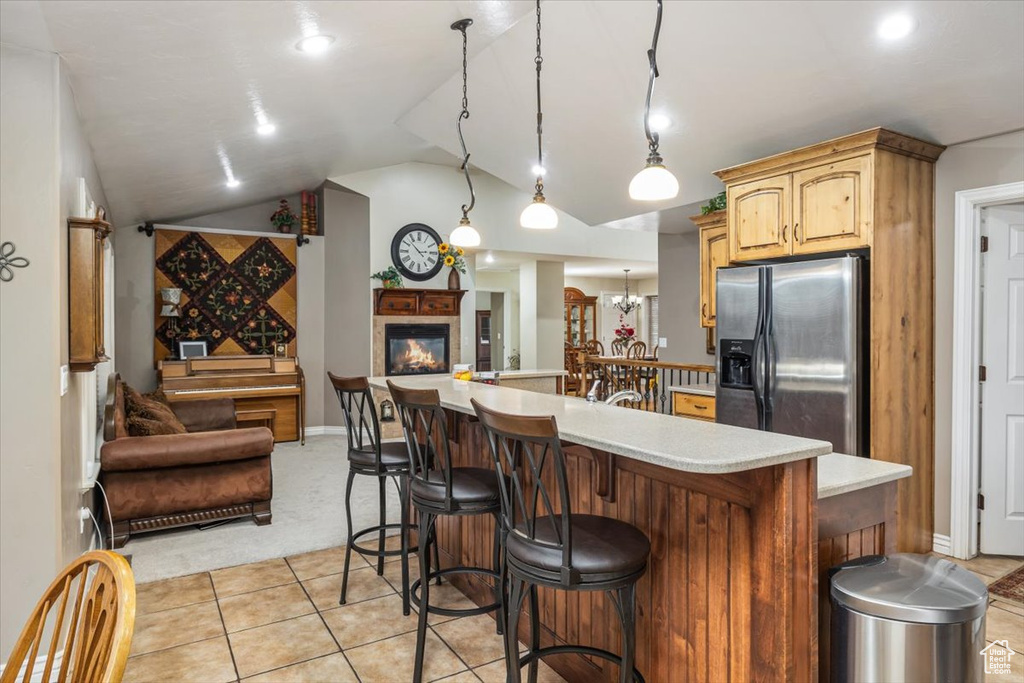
{"x": 538, "y": 215}
{"x": 465, "y": 235}
{"x": 654, "y": 181}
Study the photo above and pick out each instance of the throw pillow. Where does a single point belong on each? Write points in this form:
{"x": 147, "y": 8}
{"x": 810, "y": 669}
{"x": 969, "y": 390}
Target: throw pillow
{"x": 150, "y": 408}
{"x": 141, "y": 426}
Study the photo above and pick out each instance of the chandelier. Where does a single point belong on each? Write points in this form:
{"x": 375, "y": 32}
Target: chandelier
{"x": 626, "y": 302}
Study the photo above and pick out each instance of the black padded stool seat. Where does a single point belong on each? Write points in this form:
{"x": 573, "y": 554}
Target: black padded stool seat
{"x": 603, "y": 549}
{"x": 393, "y": 455}
{"x": 470, "y": 485}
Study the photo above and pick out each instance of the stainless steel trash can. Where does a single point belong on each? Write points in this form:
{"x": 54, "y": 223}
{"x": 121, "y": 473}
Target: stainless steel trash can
{"x": 906, "y": 618}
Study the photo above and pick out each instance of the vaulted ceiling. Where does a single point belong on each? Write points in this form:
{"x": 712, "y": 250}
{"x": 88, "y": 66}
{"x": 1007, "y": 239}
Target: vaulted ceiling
{"x": 168, "y": 92}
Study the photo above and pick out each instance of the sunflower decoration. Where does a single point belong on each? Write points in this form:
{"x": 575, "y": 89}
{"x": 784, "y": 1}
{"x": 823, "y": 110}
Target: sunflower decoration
{"x": 452, "y": 256}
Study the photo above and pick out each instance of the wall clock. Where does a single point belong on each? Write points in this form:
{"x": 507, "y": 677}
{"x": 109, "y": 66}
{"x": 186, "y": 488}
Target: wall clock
{"x": 414, "y": 252}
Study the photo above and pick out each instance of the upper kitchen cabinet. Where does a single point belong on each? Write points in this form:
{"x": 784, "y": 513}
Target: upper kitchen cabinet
{"x": 714, "y": 254}
{"x": 832, "y": 206}
{"x": 814, "y": 200}
{"x": 759, "y": 213}
{"x": 86, "y": 343}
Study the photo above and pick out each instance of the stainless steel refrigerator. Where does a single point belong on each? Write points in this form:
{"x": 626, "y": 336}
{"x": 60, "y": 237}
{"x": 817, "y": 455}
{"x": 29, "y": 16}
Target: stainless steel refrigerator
{"x": 791, "y": 352}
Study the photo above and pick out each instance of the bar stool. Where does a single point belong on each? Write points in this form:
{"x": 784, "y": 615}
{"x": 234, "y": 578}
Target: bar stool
{"x": 436, "y": 488}
{"x": 545, "y": 544}
{"x": 369, "y": 457}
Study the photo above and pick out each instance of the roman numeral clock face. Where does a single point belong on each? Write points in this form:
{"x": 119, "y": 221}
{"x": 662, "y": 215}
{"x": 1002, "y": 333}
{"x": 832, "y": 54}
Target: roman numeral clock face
{"x": 414, "y": 252}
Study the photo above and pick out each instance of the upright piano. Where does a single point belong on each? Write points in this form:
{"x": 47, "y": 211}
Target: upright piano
{"x": 267, "y": 391}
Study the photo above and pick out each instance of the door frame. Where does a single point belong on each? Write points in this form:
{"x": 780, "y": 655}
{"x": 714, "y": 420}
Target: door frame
{"x": 966, "y": 422}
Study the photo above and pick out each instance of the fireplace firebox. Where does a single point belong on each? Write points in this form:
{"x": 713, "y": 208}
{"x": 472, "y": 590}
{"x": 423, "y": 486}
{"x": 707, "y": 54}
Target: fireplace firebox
{"x": 416, "y": 349}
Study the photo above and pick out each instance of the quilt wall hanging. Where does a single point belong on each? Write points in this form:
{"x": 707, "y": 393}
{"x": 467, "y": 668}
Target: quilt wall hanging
{"x": 238, "y": 292}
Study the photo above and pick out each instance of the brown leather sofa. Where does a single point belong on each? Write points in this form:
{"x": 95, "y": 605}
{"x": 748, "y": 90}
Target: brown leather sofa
{"x": 213, "y": 472}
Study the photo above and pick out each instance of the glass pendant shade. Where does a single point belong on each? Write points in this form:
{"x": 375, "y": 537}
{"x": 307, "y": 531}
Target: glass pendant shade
{"x": 538, "y": 215}
{"x": 653, "y": 183}
{"x": 465, "y": 235}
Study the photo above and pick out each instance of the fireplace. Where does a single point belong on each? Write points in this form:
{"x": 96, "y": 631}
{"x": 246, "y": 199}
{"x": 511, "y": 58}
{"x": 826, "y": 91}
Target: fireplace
{"x": 416, "y": 349}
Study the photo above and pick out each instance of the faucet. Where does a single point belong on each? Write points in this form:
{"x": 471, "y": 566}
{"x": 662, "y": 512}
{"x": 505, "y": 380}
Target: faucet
{"x": 592, "y": 394}
{"x": 624, "y": 395}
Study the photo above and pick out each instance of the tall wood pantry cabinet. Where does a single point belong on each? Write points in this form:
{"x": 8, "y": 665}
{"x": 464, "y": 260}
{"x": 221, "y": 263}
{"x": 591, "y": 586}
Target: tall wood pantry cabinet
{"x": 873, "y": 193}
{"x": 714, "y": 253}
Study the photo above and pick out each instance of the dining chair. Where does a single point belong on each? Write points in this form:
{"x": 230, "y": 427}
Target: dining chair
{"x": 90, "y": 633}
{"x": 638, "y": 351}
{"x": 594, "y": 347}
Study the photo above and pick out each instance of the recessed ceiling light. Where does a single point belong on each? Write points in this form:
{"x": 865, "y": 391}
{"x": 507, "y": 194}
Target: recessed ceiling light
{"x": 266, "y": 128}
{"x": 314, "y": 45}
{"x": 537, "y": 169}
{"x": 233, "y": 182}
{"x": 489, "y": 258}
{"x": 659, "y": 122}
{"x": 896, "y": 26}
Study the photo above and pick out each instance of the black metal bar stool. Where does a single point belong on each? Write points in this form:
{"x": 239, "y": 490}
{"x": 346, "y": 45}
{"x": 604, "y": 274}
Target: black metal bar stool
{"x": 545, "y": 544}
{"x": 436, "y": 488}
{"x": 369, "y": 457}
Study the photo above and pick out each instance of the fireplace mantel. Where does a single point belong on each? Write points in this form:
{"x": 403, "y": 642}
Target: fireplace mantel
{"x": 421, "y": 302}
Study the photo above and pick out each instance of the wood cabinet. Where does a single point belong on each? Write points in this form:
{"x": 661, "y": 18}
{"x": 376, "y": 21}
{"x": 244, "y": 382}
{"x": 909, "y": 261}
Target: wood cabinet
{"x": 401, "y": 301}
{"x": 714, "y": 254}
{"x": 696, "y": 406}
{"x": 760, "y": 216}
{"x": 580, "y": 317}
{"x": 870, "y": 190}
{"x": 832, "y": 206}
{"x": 86, "y": 289}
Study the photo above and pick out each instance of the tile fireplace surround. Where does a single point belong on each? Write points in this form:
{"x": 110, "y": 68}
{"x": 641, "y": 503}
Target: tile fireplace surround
{"x": 393, "y": 430}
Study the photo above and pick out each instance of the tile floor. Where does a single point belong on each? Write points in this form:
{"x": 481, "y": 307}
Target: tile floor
{"x": 279, "y": 621}
{"x": 1004, "y": 620}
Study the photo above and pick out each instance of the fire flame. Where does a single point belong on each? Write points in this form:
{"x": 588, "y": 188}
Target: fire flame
{"x": 416, "y": 358}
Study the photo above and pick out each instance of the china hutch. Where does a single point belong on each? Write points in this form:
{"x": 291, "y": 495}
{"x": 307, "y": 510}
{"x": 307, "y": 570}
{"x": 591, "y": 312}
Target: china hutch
{"x": 580, "y": 317}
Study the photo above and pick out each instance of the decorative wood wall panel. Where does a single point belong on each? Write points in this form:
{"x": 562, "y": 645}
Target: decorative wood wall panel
{"x": 730, "y": 591}
{"x": 239, "y": 292}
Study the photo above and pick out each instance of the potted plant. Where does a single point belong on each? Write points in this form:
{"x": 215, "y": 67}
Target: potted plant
{"x": 624, "y": 333}
{"x": 455, "y": 258}
{"x": 716, "y": 203}
{"x": 390, "y": 278}
{"x": 283, "y": 219}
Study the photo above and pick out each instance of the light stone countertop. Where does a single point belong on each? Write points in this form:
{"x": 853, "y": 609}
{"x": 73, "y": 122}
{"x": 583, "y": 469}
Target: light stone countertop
{"x": 839, "y": 473}
{"x": 665, "y": 440}
{"x": 530, "y": 374}
{"x": 704, "y": 389}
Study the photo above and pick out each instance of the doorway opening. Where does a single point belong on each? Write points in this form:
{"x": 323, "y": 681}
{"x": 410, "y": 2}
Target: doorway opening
{"x": 987, "y": 492}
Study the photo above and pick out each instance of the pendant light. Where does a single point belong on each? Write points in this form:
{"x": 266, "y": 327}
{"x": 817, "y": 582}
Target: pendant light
{"x": 465, "y": 235}
{"x": 655, "y": 181}
{"x": 538, "y": 215}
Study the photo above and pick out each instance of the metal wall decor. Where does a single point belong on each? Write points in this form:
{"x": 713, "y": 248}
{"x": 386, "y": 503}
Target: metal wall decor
{"x": 8, "y": 261}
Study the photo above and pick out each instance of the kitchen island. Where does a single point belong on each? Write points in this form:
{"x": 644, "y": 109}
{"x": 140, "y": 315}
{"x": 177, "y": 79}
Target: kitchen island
{"x": 731, "y": 592}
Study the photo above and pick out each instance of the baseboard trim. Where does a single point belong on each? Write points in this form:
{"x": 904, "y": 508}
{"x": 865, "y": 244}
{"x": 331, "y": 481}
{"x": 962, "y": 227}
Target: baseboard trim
{"x": 940, "y": 544}
{"x": 325, "y": 430}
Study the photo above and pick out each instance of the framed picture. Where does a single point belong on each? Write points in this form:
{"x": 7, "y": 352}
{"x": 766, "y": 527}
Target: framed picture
{"x": 191, "y": 349}
{"x": 281, "y": 350}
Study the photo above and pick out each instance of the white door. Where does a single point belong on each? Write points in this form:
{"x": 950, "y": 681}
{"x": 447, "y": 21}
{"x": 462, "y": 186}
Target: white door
{"x": 1002, "y": 392}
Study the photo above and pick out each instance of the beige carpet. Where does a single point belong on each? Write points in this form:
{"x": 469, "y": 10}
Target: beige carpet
{"x": 308, "y": 508}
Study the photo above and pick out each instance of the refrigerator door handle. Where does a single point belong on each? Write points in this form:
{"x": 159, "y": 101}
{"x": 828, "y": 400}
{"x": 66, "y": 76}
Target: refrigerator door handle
{"x": 769, "y": 351}
{"x": 759, "y": 351}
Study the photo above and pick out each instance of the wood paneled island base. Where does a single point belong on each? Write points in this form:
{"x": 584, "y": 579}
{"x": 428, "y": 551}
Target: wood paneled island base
{"x": 730, "y": 593}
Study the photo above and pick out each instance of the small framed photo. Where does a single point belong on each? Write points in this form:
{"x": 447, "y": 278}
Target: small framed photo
{"x": 281, "y": 350}
{"x": 191, "y": 349}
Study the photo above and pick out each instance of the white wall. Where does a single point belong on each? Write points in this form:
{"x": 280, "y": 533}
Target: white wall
{"x": 990, "y": 161}
{"x": 42, "y": 153}
{"x": 542, "y": 314}
{"x": 679, "y": 299}
{"x": 431, "y": 194}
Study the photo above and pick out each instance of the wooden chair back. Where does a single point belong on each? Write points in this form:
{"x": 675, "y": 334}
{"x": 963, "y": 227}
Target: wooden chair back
{"x": 424, "y": 424}
{"x": 594, "y": 347}
{"x": 90, "y": 633}
{"x": 361, "y": 425}
{"x": 619, "y": 347}
{"x": 527, "y": 450}
{"x": 638, "y": 351}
